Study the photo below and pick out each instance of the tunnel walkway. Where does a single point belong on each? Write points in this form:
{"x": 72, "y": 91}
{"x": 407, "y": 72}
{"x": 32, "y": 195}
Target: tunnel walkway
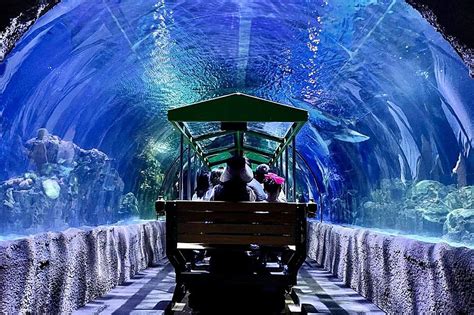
{"x": 151, "y": 290}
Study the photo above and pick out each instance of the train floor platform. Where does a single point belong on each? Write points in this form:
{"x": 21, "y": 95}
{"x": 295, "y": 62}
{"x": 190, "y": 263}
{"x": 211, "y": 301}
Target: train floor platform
{"x": 151, "y": 291}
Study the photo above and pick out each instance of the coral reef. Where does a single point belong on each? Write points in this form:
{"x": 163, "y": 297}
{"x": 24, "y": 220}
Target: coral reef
{"x": 67, "y": 186}
{"x": 56, "y": 273}
{"x": 426, "y": 207}
{"x": 459, "y": 225}
{"x": 128, "y": 206}
{"x": 150, "y": 177}
{"x": 400, "y": 275}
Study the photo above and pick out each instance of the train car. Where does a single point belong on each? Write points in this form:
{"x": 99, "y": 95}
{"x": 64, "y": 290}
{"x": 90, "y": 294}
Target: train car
{"x": 257, "y": 247}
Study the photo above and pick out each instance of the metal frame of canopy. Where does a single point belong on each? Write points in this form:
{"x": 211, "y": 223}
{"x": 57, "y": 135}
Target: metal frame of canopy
{"x": 237, "y": 110}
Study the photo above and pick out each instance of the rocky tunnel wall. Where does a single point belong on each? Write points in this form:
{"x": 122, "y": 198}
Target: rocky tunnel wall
{"x": 398, "y": 274}
{"x": 52, "y": 273}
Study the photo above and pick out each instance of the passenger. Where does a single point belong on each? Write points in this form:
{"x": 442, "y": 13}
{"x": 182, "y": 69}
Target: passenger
{"x": 257, "y": 188}
{"x": 273, "y": 187}
{"x": 260, "y": 173}
{"x": 203, "y": 186}
{"x": 257, "y": 183}
{"x": 234, "y": 180}
{"x": 282, "y": 195}
{"x": 233, "y": 187}
{"x": 216, "y": 176}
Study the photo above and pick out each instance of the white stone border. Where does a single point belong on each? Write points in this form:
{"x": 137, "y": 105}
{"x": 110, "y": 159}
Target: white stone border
{"x": 60, "y": 272}
{"x": 399, "y": 275}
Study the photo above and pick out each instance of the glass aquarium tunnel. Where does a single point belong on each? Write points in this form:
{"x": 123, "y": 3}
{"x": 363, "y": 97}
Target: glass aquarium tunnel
{"x": 85, "y": 141}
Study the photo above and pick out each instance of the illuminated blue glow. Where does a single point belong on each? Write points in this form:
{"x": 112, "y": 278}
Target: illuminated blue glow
{"x": 389, "y": 99}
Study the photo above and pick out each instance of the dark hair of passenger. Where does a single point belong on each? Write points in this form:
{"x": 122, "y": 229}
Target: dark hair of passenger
{"x": 271, "y": 186}
{"x": 260, "y": 172}
{"x": 216, "y": 176}
{"x": 203, "y": 184}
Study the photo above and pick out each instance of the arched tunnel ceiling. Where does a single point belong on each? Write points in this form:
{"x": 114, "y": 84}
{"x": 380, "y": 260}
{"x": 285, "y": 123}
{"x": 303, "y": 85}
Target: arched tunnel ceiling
{"x": 387, "y": 95}
{"x": 452, "y": 19}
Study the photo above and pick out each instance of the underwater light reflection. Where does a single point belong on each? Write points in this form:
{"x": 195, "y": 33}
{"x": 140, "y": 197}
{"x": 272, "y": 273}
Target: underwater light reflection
{"x": 391, "y": 108}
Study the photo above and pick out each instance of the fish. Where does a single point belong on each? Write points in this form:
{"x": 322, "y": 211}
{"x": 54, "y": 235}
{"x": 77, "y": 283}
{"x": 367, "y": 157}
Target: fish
{"x": 331, "y": 127}
{"x": 352, "y": 136}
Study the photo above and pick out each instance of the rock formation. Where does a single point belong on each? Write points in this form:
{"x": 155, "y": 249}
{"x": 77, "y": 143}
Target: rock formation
{"x": 426, "y": 207}
{"x": 459, "y": 225}
{"x": 67, "y": 186}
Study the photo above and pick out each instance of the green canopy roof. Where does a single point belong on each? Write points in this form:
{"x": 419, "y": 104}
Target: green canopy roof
{"x": 238, "y": 107}
{"x": 238, "y": 124}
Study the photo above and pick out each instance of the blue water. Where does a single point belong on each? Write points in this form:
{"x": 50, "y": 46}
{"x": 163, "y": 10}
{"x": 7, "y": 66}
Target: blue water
{"x": 388, "y": 98}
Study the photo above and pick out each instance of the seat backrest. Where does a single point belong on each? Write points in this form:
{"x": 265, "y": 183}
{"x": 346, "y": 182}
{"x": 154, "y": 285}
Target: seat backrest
{"x": 235, "y": 223}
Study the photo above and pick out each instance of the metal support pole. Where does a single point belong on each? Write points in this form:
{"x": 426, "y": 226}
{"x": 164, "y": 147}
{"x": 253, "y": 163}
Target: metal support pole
{"x": 188, "y": 178}
{"x": 239, "y": 143}
{"x": 180, "y": 183}
{"x": 286, "y": 173}
{"x": 196, "y": 167}
{"x": 293, "y": 171}
{"x": 280, "y": 170}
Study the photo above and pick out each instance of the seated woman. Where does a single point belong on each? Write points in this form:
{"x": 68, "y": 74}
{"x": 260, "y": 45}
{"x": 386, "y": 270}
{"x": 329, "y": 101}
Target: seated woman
{"x": 273, "y": 187}
{"x": 233, "y": 187}
{"x": 234, "y": 180}
{"x": 260, "y": 174}
{"x": 203, "y": 189}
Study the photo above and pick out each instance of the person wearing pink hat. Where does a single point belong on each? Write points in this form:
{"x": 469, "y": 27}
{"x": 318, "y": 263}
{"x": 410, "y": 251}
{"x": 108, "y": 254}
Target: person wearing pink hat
{"x": 273, "y": 187}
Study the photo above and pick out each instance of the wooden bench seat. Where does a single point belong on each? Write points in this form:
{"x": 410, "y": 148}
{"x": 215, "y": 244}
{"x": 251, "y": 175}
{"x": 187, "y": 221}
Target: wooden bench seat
{"x": 216, "y": 224}
{"x": 242, "y": 223}
{"x": 277, "y": 229}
